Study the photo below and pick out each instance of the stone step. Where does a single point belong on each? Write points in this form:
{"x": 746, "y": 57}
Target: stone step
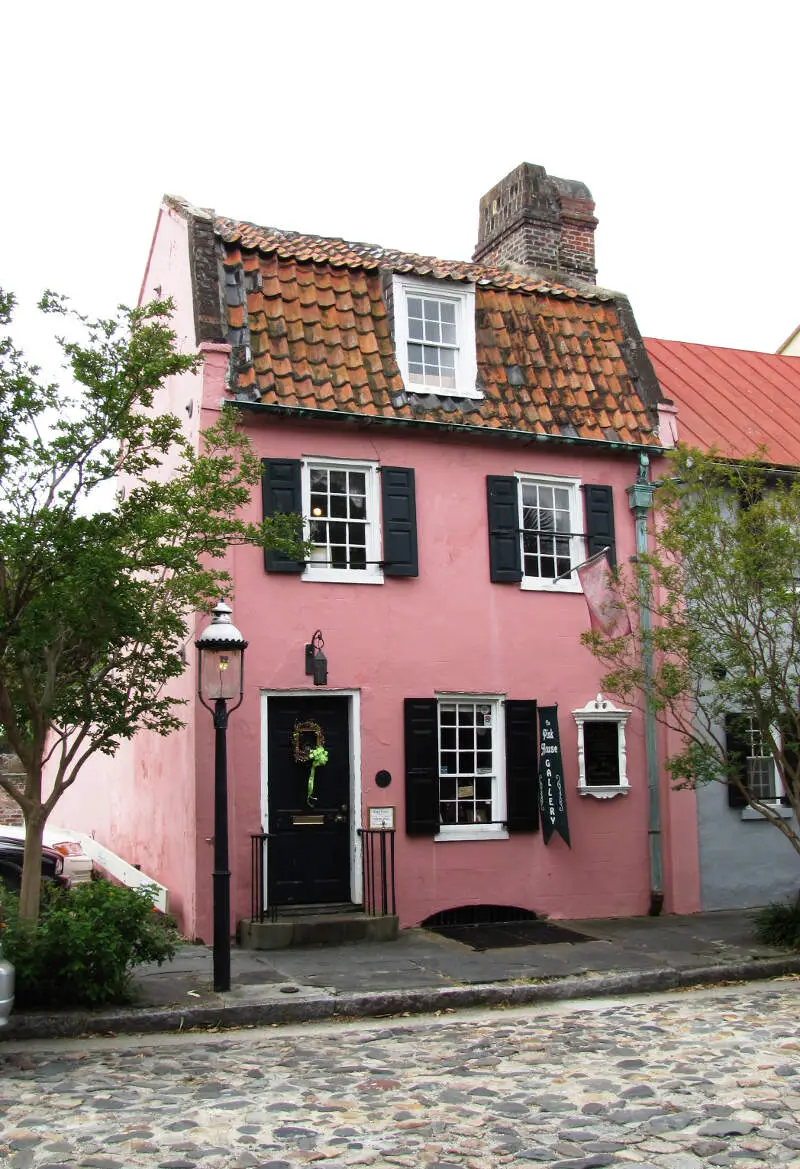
{"x": 316, "y": 929}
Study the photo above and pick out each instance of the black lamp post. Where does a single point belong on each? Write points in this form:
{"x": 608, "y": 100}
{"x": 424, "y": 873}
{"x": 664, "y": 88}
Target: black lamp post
{"x": 221, "y": 679}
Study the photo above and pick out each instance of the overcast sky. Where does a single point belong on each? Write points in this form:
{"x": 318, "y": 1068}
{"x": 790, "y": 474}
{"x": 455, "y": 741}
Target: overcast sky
{"x": 385, "y": 122}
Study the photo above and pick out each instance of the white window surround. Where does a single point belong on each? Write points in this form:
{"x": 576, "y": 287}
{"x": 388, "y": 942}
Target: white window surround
{"x": 774, "y": 803}
{"x": 496, "y": 831}
{"x": 372, "y": 573}
{"x": 601, "y": 710}
{"x": 571, "y": 583}
{"x": 462, "y": 298}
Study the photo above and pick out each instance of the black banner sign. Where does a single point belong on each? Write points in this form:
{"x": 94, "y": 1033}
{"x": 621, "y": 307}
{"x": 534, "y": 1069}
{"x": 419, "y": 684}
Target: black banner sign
{"x": 552, "y": 795}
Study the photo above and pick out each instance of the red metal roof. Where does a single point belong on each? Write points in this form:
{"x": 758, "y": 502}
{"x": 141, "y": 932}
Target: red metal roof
{"x": 735, "y": 400}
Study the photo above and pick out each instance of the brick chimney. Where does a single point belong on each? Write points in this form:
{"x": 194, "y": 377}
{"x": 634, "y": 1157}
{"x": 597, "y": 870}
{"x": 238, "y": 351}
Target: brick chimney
{"x": 538, "y": 221}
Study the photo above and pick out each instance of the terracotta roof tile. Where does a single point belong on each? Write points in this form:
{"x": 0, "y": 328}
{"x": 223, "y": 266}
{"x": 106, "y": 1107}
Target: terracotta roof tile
{"x": 549, "y": 357}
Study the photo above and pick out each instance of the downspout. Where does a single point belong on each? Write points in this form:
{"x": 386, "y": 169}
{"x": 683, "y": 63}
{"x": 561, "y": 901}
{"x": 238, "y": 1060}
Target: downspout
{"x": 640, "y": 500}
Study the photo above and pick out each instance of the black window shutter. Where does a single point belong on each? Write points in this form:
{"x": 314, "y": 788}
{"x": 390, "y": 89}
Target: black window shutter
{"x": 281, "y": 495}
{"x": 505, "y": 560}
{"x": 522, "y": 766}
{"x": 398, "y": 499}
{"x": 422, "y": 767}
{"x": 600, "y": 521}
{"x": 737, "y": 748}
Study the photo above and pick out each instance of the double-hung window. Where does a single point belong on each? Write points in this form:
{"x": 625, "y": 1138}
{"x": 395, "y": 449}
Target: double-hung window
{"x": 359, "y": 518}
{"x": 551, "y": 532}
{"x": 541, "y": 527}
{"x": 435, "y": 336}
{"x": 470, "y": 758}
{"x": 751, "y": 762}
{"x": 340, "y": 501}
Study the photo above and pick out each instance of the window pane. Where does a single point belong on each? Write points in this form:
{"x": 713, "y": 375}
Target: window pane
{"x": 431, "y": 310}
{"x": 447, "y": 715}
{"x": 319, "y": 505}
{"x": 448, "y": 787}
{"x": 483, "y": 788}
{"x": 448, "y": 311}
{"x": 357, "y": 534}
{"x": 414, "y": 306}
{"x": 415, "y": 328}
{"x": 338, "y": 481}
{"x": 338, "y": 533}
{"x": 448, "y": 738}
{"x": 449, "y": 334}
{"x": 601, "y": 745}
{"x": 447, "y": 359}
{"x": 338, "y": 557}
{"x": 447, "y": 813}
{"x": 466, "y": 762}
{"x": 466, "y": 737}
{"x": 358, "y": 483}
{"x": 318, "y": 532}
{"x": 339, "y": 506}
{"x": 319, "y": 479}
{"x": 432, "y": 331}
{"x": 358, "y": 558}
{"x": 358, "y": 507}
{"x": 561, "y": 498}
{"x": 447, "y": 763}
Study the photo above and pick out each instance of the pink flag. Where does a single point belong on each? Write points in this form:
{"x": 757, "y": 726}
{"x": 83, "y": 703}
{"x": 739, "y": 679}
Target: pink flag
{"x": 607, "y": 614}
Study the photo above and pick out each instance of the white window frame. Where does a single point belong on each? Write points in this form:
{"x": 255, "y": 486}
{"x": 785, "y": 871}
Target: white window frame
{"x": 497, "y": 831}
{"x": 373, "y": 572}
{"x": 774, "y": 803}
{"x": 466, "y": 363}
{"x": 602, "y": 710}
{"x": 577, "y": 546}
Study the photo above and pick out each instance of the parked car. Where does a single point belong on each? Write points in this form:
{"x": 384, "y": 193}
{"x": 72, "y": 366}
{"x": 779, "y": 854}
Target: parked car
{"x": 6, "y": 987}
{"x": 77, "y": 864}
{"x": 12, "y": 851}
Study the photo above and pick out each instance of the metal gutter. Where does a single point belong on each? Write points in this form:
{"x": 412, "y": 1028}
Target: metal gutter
{"x": 343, "y": 416}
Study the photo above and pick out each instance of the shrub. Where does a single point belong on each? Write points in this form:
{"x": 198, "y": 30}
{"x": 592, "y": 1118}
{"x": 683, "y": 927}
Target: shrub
{"x": 779, "y": 924}
{"x": 87, "y": 940}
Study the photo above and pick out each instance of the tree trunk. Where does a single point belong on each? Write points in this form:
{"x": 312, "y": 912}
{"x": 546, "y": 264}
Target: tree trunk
{"x": 30, "y": 894}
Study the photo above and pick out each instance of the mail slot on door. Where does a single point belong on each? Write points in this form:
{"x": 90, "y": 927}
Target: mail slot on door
{"x": 305, "y": 819}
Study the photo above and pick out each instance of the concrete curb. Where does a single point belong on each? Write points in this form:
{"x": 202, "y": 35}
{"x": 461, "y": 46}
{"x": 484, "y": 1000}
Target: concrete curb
{"x": 332, "y": 1005}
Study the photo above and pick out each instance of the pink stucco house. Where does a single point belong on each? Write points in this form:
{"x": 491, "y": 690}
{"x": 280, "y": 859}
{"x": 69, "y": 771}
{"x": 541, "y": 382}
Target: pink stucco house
{"x": 457, "y": 435}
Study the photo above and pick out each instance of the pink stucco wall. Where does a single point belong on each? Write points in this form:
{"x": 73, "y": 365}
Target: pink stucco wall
{"x": 450, "y": 629}
{"x": 142, "y": 802}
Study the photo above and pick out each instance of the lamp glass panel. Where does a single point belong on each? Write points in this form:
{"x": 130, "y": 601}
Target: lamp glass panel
{"x": 221, "y": 673}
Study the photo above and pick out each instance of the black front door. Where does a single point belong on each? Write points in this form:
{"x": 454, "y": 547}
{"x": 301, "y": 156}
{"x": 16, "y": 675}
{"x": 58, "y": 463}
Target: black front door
{"x": 308, "y": 857}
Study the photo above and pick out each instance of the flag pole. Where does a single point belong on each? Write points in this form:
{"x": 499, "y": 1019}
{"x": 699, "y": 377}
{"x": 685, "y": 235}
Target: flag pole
{"x": 591, "y": 560}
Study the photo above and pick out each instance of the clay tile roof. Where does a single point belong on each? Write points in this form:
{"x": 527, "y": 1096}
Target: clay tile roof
{"x": 553, "y": 361}
{"x": 735, "y": 400}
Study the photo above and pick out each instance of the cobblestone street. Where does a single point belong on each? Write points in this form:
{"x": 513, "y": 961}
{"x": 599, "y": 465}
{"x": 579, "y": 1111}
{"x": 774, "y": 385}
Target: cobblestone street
{"x": 709, "y": 1077}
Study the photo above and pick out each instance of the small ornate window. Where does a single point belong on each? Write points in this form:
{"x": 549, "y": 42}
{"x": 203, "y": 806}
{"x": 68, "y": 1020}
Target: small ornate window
{"x": 602, "y": 757}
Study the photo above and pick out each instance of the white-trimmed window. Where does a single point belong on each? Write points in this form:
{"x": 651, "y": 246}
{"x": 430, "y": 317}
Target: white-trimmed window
{"x": 551, "y": 531}
{"x": 435, "y": 337}
{"x": 341, "y": 499}
{"x": 602, "y": 754}
{"x": 472, "y": 801}
{"x": 752, "y": 758}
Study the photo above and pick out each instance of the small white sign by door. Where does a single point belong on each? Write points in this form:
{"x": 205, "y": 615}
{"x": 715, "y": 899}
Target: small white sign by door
{"x": 382, "y": 818}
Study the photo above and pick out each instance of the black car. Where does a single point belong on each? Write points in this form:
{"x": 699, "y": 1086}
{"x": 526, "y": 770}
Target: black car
{"x": 11, "y": 855}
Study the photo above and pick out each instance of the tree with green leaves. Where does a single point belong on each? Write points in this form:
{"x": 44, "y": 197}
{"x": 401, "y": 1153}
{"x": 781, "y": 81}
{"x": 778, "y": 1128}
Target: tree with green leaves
{"x": 722, "y": 583}
{"x": 97, "y": 597}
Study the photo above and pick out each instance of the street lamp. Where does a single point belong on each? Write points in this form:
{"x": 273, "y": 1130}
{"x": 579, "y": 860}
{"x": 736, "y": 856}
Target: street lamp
{"x": 221, "y": 679}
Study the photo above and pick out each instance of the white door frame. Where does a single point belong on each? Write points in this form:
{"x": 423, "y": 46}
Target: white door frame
{"x": 354, "y": 721}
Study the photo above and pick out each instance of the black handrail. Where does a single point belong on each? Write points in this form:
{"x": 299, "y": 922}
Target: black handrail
{"x": 378, "y": 870}
{"x": 260, "y": 907}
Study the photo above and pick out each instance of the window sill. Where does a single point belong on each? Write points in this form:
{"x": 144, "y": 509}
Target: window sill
{"x": 532, "y": 584}
{"x": 472, "y": 832}
{"x": 439, "y": 392}
{"x": 780, "y": 809}
{"x": 343, "y": 576}
{"x": 603, "y": 793}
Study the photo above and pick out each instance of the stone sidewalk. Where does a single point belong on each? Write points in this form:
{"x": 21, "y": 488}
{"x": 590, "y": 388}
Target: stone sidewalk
{"x": 424, "y": 972}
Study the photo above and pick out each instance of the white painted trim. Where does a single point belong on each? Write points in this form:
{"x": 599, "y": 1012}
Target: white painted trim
{"x": 463, "y": 297}
{"x": 373, "y": 573}
{"x": 571, "y": 583}
{"x": 356, "y": 779}
{"x": 602, "y": 710}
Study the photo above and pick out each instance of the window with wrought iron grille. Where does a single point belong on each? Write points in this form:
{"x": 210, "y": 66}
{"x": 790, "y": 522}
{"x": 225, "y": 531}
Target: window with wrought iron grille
{"x": 471, "y": 794}
{"x": 550, "y": 530}
{"x": 434, "y": 324}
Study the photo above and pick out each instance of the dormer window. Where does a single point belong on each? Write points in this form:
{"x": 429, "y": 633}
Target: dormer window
{"x": 435, "y": 337}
